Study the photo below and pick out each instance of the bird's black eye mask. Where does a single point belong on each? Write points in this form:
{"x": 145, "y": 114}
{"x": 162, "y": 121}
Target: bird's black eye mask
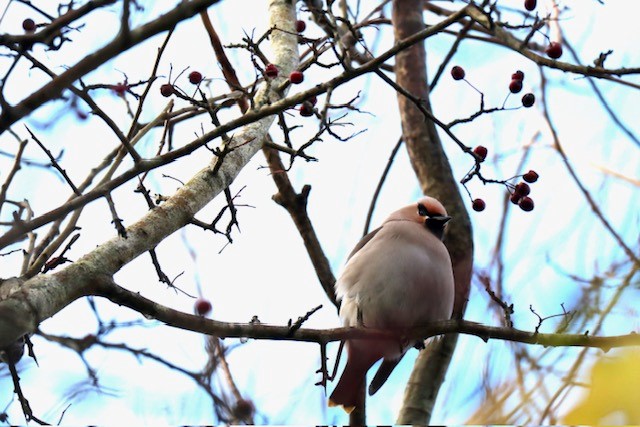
{"x": 422, "y": 210}
{"x": 434, "y": 222}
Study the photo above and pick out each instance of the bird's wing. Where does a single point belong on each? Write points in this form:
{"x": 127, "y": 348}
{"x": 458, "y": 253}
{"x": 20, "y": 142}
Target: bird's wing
{"x": 386, "y": 367}
{"x": 364, "y": 241}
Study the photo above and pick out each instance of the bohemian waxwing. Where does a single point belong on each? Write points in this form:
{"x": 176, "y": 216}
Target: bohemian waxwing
{"x": 399, "y": 276}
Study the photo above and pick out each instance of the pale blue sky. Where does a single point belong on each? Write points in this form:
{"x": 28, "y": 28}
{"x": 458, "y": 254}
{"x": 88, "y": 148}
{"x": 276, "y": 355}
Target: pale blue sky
{"x": 266, "y": 271}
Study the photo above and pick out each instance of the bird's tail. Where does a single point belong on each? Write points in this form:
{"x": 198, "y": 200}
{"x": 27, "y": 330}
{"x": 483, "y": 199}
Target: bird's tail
{"x": 350, "y": 387}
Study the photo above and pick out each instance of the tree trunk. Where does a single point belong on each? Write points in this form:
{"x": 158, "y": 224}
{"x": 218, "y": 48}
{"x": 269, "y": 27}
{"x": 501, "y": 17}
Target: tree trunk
{"x": 436, "y": 179}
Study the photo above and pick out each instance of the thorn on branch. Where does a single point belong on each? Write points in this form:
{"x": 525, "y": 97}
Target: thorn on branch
{"x": 298, "y": 324}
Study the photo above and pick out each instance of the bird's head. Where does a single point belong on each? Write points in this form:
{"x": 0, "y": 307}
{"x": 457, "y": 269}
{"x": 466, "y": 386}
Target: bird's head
{"x": 428, "y": 212}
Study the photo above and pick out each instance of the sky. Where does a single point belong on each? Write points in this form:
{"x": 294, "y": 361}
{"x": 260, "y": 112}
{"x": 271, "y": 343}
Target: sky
{"x": 266, "y": 272}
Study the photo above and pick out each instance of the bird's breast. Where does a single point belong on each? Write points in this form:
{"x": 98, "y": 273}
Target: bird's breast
{"x": 401, "y": 278}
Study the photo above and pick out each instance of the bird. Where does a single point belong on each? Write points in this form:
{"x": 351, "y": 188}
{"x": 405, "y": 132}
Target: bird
{"x": 399, "y": 276}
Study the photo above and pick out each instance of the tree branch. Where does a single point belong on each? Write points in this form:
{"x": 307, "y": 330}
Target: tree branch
{"x": 174, "y": 318}
{"x": 43, "y": 296}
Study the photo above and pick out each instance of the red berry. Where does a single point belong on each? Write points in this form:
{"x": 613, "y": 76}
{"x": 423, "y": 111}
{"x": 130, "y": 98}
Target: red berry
{"x": 195, "y": 77}
{"x": 478, "y": 205}
{"x": 481, "y": 151}
{"x": 457, "y": 73}
{"x": 243, "y": 409}
{"x": 306, "y": 109}
{"x": 166, "y": 89}
{"x": 518, "y": 75}
{"x": 526, "y": 204}
{"x": 271, "y": 71}
{"x": 528, "y": 100}
{"x": 29, "y": 25}
{"x": 530, "y": 4}
{"x": 554, "y": 50}
{"x": 515, "y": 86}
{"x": 313, "y": 100}
{"x": 522, "y": 189}
{"x": 300, "y": 26}
{"x": 202, "y": 307}
{"x": 120, "y": 88}
{"x": 296, "y": 77}
{"x": 515, "y": 198}
{"x": 531, "y": 176}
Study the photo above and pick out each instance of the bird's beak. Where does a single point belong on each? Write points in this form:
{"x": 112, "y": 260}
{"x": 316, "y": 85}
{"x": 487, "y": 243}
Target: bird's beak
{"x": 441, "y": 219}
{"x": 436, "y": 221}
{"x": 436, "y": 225}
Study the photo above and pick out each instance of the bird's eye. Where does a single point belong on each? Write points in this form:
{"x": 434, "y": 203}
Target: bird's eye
{"x": 422, "y": 210}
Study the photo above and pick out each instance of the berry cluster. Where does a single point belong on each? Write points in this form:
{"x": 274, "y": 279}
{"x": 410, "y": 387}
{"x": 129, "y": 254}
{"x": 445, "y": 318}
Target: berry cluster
{"x": 554, "y": 50}
{"x": 516, "y": 86}
{"x": 520, "y": 194}
{"x": 296, "y": 76}
{"x": 168, "y": 89}
{"x": 516, "y": 82}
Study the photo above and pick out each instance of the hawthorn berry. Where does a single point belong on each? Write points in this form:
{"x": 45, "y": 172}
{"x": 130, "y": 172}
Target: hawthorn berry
{"x": 522, "y": 189}
{"x": 554, "y": 50}
{"x": 518, "y": 75}
{"x": 243, "y": 409}
{"x": 478, "y": 205}
{"x": 166, "y": 90}
{"x": 195, "y": 77}
{"x": 271, "y": 71}
{"x": 457, "y": 73}
{"x": 202, "y": 307}
{"x": 515, "y": 86}
{"x": 481, "y": 151}
{"x": 306, "y": 109}
{"x": 531, "y": 176}
{"x": 530, "y": 4}
{"x": 300, "y": 26}
{"x": 515, "y": 198}
{"x": 296, "y": 77}
{"x": 29, "y": 25}
{"x": 120, "y": 88}
{"x": 526, "y": 204}
{"x": 528, "y": 100}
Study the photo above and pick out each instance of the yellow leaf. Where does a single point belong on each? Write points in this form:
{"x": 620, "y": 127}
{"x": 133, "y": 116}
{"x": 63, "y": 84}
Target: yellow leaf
{"x": 614, "y": 395}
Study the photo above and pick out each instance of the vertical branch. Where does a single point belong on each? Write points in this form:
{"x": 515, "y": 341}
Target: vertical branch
{"x": 294, "y": 203}
{"x": 436, "y": 179}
